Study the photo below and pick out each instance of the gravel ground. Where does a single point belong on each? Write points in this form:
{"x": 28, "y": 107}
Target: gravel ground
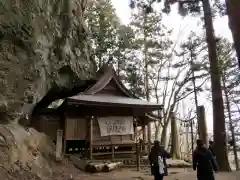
{"x": 131, "y": 174}
{"x": 68, "y": 172}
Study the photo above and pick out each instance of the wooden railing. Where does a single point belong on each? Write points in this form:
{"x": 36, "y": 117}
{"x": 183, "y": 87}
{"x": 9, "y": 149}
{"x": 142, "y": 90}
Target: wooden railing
{"x": 113, "y": 153}
{"x": 132, "y": 154}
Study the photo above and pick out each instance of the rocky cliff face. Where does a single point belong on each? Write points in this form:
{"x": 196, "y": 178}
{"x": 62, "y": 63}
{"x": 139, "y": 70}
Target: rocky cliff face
{"x": 38, "y": 40}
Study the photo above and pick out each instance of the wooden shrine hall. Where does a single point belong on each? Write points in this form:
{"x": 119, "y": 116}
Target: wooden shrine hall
{"x": 99, "y": 121}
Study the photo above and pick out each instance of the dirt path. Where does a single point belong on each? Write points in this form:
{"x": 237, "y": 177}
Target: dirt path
{"x": 192, "y": 176}
{"x": 129, "y": 174}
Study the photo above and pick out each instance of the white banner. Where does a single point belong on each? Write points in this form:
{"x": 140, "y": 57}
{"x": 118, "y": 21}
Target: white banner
{"x": 115, "y": 125}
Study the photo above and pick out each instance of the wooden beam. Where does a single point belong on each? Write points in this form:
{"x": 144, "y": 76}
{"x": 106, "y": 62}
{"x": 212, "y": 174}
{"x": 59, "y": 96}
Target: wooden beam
{"x": 115, "y": 152}
{"x": 113, "y": 156}
{"x": 115, "y": 144}
{"x": 59, "y": 144}
{"x": 138, "y": 156}
{"x": 112, "y": 147}
{"x": 149, "y": 134}
{"x": 91, "y": 136}
{"x": 65, "y": 134}
{"x": 144, "y": 137}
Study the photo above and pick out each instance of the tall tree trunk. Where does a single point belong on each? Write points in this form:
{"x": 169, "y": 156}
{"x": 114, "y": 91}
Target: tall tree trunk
{"x": 195, "y": 100}
{"x": 193, "y": 68}
{"x": 187, "y": 141}
{"x": 217, "y": 99}
{"x": 192, "y": 136}
{"x": 174, "y": 138}
{"x": 233, "y": 10}
{"x": 146, "y": 77}
{"x": 230, "y": 122}
{"x": 164, "y": 135}
{"x": 202, "y": 126}
{"x": 157, "y": 127}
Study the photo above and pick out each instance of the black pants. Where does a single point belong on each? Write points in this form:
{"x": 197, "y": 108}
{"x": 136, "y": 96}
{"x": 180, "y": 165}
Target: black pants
{"x": 158, "y": 176}
{"x": 155, "y": 172}
{"x": 208, "y": 177}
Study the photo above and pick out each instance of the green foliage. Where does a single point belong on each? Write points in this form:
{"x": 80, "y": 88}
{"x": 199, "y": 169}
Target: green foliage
{"x": 228, "y": 63}
{"x": 151, "y": 48}
{"x": 229, "y": 70}
{"x": 185, "y": 7}
{"x": 192, "y": 54}
{"x": 230, "y": 84}
{"x": 102, "y": 22}
{"x": 134, "y": 78}
{"x": 109, "y": 36}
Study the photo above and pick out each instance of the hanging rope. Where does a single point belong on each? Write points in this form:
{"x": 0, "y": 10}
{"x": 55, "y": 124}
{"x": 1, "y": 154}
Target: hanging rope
{"x": 186, "y": 123}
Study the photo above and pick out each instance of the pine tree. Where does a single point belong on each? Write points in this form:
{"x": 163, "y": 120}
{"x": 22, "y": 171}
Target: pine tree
{"x": 194, "y": 7}
{"x": 166, "y": 78}
{"x": 103, "y": 23}
{"x": 111, "y": 40}
{"x": 193, "y": 49}
{"x": 151, "y": 46}
{"x": 229, "y": 74}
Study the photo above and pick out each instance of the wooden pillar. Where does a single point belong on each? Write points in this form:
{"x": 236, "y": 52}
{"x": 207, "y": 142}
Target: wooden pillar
{"x": 202, "y": 125}
{"x": 59, "y": 144}
{"x": 65, "y": 133}
{"x": 135, "y": 134}
{"x": 149, "y": 135}
{"x": 112, "y": 147}
{"x": 144, "y": 131}
{"x": 113, "y": 156}
{"x": 91, "y": 136}
{"x": 187, "y": 140}
{"x": 138, "y": 156}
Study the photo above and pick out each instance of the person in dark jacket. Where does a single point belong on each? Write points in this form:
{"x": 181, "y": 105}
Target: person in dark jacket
{"x": 211, "y": 148}
{"x": 158, "y": 151}
{"x": 203, "y": 162}
{"x": 211, "y": 144}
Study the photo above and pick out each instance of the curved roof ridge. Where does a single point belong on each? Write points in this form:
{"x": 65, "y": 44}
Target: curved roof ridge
{"x": 109, "y": 74}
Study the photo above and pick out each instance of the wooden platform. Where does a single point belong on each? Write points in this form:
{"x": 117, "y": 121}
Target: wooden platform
{"x": 94, "y": 166}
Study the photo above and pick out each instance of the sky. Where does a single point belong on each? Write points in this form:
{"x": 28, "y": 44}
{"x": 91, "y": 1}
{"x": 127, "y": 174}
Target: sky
{"x": 174, "y": 20}
{"x": 185, "y": 25}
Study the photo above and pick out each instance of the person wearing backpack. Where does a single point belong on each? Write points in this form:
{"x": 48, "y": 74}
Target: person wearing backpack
{"x": 204, "y": 162}
{"x": 157, "y": 158}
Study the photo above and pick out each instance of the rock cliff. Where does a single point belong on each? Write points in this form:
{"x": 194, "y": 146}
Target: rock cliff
{"x": 43, "y": 43}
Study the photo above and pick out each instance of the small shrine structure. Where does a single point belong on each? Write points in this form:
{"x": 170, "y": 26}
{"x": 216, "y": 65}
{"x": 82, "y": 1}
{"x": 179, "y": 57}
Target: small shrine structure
{"x": 99, "y": 122}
